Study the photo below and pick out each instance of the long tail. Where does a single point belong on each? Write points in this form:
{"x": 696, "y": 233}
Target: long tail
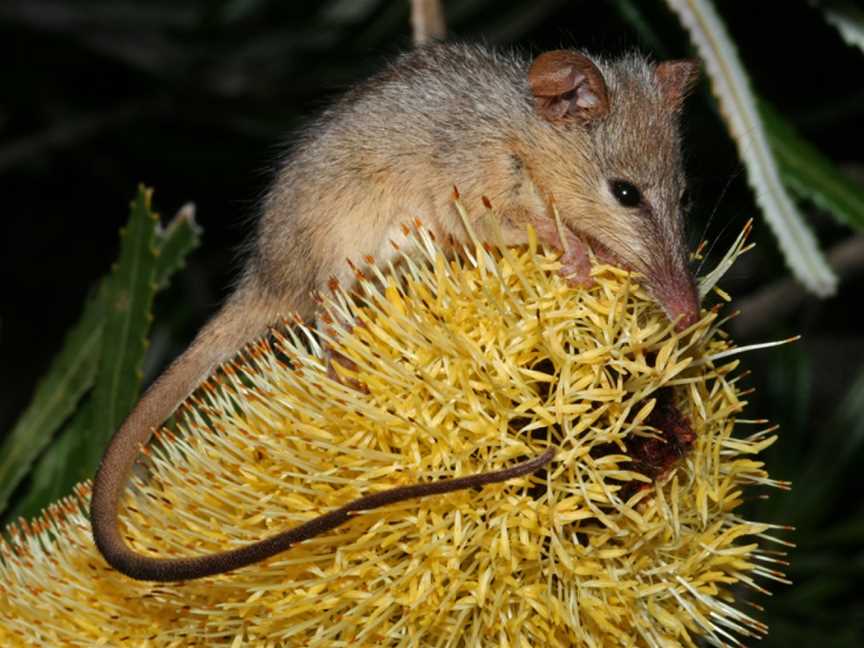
{"x": 240, "y": 320}
{"x": 235, "y": 325}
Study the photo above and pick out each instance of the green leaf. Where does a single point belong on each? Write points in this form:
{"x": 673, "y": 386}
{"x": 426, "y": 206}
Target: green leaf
{"x": 811, "y": 174}
{"x": 128, "y": 304}
{"x": 57, "y": 470}
{"x": 70, "y": 375}
{"x": 69, "y": 459}
{"x": 178, "y": 239}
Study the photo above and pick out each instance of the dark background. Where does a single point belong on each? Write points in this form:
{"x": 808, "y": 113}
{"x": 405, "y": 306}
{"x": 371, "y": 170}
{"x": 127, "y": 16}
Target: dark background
{"x": 197, "y": 98}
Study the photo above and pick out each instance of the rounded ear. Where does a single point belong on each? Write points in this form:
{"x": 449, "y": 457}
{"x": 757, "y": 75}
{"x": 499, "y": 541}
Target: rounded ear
{"x": 567, "y": 85}
{"x": 676, "y": 80}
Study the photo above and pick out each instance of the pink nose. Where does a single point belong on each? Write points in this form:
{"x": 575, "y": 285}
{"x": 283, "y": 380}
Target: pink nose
{"x": 681, "y": 305}
{"x": 685, "y": 319}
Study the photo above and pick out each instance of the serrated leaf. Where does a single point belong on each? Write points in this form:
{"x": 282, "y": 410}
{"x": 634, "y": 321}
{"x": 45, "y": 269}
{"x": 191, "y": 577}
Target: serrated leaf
{"x": 70, "y": 375}
{"x": 128, "y": 304}
{"x": 737, "y": 103}
{"x": 174, "y": 242}
{"x": 66, "y": 461}
{"x": 811, "y": 174}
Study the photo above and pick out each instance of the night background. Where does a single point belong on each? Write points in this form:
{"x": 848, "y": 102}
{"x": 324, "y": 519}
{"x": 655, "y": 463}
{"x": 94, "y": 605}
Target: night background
{"x": 197, "y": 99}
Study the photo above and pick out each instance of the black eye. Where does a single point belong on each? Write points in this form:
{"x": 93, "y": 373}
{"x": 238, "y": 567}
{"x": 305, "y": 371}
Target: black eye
{"x": 626, "y": 193}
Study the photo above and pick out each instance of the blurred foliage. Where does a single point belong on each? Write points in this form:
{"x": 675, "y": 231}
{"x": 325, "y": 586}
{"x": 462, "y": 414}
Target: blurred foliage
{"x": 194, "y": 96}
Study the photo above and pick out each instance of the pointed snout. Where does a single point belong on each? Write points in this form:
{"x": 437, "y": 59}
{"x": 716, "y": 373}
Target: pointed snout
{"x": 680, "y": 300}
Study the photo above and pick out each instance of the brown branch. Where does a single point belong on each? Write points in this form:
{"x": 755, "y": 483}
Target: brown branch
{"x": 427, "y": 21}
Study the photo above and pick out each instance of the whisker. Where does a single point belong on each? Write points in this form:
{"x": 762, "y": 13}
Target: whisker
{"x": 732, "y": 177}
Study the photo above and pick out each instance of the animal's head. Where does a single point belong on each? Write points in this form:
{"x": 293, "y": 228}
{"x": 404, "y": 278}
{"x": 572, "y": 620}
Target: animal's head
{"x": 619, "y": 180}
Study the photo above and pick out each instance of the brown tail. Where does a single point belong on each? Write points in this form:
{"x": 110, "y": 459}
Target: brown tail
{"x": 238, "y": 322}
{"x": 217, "y": 342}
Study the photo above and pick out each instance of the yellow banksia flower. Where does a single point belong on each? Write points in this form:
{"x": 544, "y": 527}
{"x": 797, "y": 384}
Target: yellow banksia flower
{"x": 452, "y": 366}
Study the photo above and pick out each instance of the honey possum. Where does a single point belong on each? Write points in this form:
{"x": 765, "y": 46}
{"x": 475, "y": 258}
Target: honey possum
{"x": 597, "y": 138}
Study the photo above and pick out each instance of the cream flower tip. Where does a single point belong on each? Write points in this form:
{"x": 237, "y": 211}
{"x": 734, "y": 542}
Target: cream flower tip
{"x": 445, "y": 367}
